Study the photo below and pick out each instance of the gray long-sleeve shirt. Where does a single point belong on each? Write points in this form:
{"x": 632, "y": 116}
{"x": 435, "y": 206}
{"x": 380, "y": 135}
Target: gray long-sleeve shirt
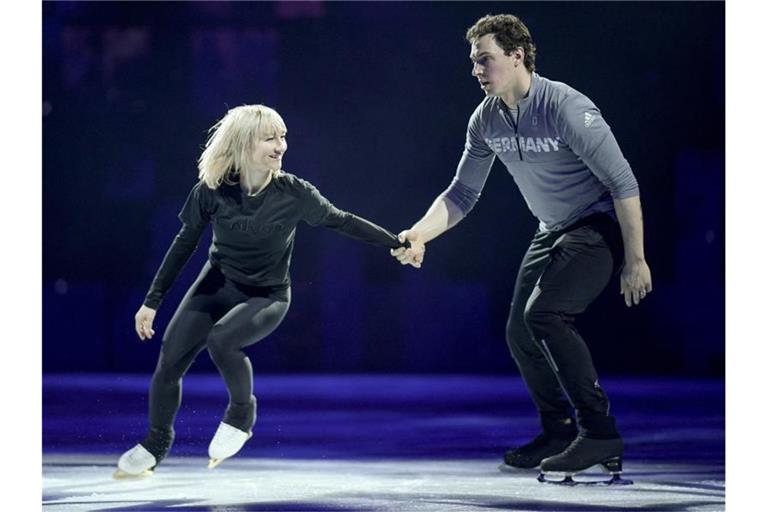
{"x": 558, "y": 149}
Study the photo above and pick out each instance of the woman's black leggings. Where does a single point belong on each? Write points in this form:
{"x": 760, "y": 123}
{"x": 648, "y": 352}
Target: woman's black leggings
{"x": 224, "y": 317}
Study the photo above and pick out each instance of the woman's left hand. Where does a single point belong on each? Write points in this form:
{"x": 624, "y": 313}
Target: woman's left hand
{"x": 144, "y": 318}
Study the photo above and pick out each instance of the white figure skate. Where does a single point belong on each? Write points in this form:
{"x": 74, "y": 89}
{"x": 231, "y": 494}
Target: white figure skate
{"x": 135, "y": 463}
{"x": 227, "y": 441}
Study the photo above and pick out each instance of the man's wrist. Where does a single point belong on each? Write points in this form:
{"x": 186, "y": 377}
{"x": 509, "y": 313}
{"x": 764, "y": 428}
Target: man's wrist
{"x": 426, "y": 234}
{"x": 420, "y": 238}
{"x": 634, "y": 259}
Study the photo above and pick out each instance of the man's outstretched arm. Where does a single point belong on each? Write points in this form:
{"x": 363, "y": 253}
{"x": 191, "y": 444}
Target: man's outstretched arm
{"x": 456, "y": 201}
{"x": 434, "y": 223}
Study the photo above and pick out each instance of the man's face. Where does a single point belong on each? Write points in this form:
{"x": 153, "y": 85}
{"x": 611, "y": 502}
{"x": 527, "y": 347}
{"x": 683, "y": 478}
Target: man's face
{"x": 494, "y": 70}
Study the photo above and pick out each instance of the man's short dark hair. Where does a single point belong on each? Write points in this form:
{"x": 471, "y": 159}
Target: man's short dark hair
{"x": 509, "y": 32}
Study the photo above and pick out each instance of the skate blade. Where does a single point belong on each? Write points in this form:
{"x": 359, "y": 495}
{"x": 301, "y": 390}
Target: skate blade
{"x": 122, "y": 475}
{"x": 568, "y": 480}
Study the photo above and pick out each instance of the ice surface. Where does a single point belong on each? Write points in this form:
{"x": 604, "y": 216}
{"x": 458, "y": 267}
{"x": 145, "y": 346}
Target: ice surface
{"x": 374, "y": 443}
{"x": 73, "y": 482}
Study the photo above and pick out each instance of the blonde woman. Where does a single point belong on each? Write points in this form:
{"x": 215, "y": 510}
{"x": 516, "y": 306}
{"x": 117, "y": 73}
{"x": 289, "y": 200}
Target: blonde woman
{"x": 243, "y": 291}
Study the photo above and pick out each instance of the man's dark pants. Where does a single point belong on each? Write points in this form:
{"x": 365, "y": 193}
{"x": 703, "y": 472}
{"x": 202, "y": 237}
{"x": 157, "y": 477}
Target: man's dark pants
{"x": 560, "y": 275}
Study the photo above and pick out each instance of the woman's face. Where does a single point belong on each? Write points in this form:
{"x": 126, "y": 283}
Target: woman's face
{"x": 269, "y": 150}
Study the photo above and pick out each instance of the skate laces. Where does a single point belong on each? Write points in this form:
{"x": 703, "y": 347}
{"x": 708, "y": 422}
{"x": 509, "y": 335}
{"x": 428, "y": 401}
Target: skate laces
{"x": 227, "y": 432}
{"x": 139, "y": 454}
{"x": 224, "y": 432}
{"x": 574, "y": 444}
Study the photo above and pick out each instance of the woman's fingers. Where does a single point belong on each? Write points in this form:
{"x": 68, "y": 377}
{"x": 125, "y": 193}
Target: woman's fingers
{"x": 144, "y": 329}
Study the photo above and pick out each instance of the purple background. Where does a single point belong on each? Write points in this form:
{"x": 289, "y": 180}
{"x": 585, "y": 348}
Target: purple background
{"x": 376, "y": 97}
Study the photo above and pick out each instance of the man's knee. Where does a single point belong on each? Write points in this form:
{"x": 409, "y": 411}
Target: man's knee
{"x": 518, "y": 338}
{"x": 539, "y": 318}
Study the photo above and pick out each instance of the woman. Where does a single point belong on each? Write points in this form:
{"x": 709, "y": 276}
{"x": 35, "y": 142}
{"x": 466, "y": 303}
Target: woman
{"x": 243, "y": 291}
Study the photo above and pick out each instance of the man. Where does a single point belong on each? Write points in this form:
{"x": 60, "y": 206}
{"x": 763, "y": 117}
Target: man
{"x": 567, "y": 164}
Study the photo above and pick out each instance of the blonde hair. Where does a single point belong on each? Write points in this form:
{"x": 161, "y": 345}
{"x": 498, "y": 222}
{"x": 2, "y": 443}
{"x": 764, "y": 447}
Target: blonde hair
{"x": 228, "y": 149}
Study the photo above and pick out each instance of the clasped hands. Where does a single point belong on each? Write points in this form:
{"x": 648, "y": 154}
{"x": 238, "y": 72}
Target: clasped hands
{"x": 414, "y": 255}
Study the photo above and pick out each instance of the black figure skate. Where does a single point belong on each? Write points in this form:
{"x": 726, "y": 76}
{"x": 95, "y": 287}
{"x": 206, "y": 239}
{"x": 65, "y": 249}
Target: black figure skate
{"x": 581, "y": 455}
{"x": 556, "y": 436}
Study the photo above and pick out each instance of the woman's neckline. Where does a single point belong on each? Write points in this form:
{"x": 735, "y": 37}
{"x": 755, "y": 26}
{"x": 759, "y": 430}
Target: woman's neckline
{"x": 259, "y": 192}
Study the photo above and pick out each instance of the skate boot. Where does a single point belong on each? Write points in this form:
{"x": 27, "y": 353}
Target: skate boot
{"x": 557, "y": 434}
{"x": 136, "y": 462}
{"x": 606, "y": 450}
{"x": 141, "y": 460}
{"x": 233, "y": 432}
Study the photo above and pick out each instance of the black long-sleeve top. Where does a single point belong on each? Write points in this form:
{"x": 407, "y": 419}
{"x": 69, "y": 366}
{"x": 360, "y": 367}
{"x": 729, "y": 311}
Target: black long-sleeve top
{"x": 253, "y": 235}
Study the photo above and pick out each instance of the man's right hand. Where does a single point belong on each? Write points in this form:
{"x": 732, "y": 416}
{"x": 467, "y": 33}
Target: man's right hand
{"x": 414, "y": 255}
{"x": 144, "y": 318}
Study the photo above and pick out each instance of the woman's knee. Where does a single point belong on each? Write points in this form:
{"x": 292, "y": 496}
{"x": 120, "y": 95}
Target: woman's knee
{"x": 167, "y": 371}
{"x": 217, "y": 343}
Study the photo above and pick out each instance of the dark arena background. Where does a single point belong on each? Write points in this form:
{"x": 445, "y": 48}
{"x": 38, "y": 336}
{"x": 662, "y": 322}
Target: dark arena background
{"x": 386, "y": 387}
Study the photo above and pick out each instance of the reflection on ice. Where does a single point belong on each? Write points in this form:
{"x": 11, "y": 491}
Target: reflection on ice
{"x": 84, "y": 483}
